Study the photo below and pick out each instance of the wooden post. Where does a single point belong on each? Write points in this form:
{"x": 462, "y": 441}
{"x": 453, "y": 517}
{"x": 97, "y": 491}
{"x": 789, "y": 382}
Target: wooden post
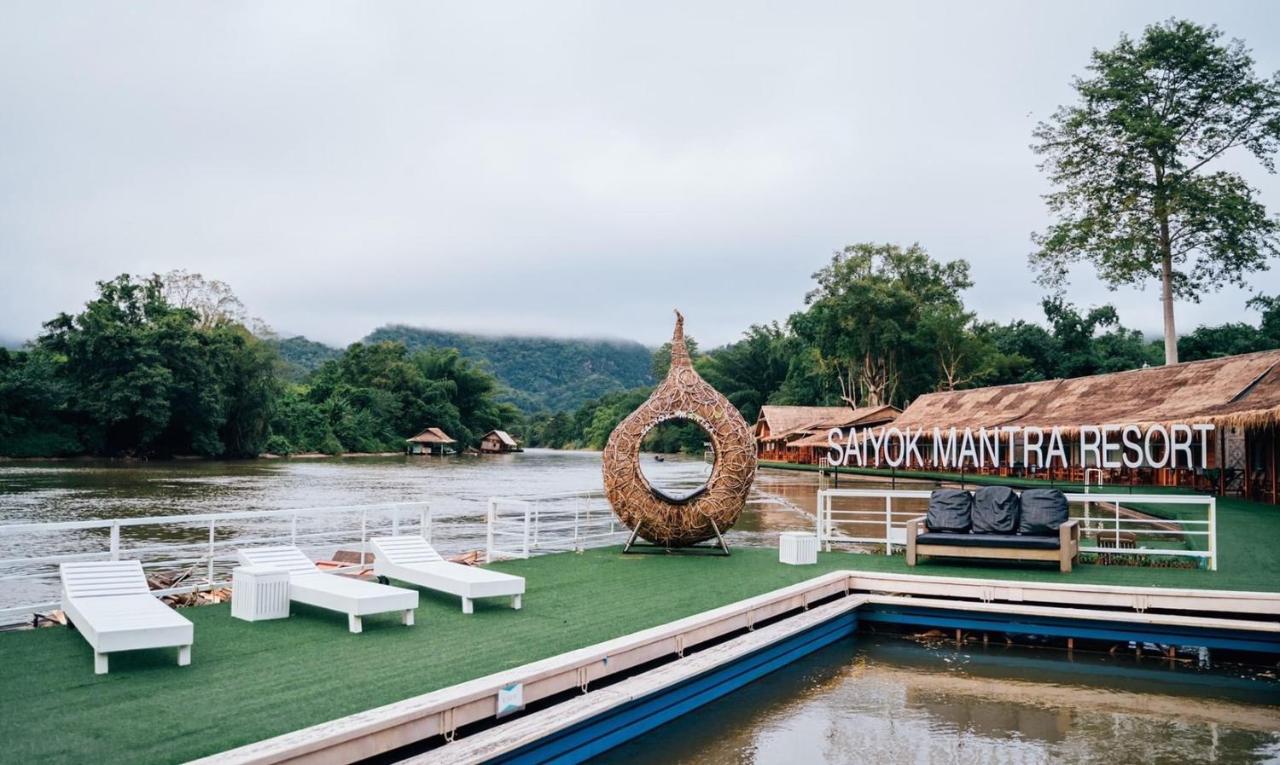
{"x": 1222, "y": 461}
{"x": 1247, "y": 484}
{"x": 1275, "y": 479}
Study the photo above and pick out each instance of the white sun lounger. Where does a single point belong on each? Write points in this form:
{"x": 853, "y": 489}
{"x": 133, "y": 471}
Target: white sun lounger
{"x": 353, "y": 597}
{"x": 111, "y": 605}
{"x": 410, "y": 559}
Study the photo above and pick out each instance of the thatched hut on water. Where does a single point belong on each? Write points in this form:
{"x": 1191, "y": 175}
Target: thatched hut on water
{"x": 498, "y": 442}
{"x": 1238, "y": 395}
{"x": 429, "y": 441}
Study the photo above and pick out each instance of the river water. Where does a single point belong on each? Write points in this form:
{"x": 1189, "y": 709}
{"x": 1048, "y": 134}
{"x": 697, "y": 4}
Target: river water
{"x": 454, "y": 486}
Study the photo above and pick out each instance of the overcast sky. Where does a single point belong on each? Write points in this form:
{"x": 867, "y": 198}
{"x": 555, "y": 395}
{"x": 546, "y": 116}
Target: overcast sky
{"x": 557, "y": 168}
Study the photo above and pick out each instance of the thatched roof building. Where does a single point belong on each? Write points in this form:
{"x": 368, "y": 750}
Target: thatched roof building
{"x": 497, "y": 442}
{"x": 430, "y": 440}
{"x": 1231, "y": 391}
{"x": 790, "y": 433}
{"x": 1239, "y": 395}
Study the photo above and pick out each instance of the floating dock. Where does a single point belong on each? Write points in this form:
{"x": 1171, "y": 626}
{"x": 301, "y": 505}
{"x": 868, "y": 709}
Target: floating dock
{"x": 732, "y": 645}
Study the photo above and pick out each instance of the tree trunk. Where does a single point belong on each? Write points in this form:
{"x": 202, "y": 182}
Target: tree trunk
{"x": 1166, "y": 296}
{"x": 1166, "y": 269}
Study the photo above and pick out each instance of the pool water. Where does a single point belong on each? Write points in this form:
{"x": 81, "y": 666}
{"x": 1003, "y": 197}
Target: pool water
{"x": 882, "y": 699}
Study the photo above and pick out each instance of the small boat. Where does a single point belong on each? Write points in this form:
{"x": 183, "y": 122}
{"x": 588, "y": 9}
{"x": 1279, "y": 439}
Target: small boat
{"x": 659, "y": 458}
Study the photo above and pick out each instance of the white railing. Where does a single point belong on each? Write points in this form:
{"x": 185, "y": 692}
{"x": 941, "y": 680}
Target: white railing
{"x": 200, "y": 545}
{"x": 881, "y": 519}
{"x": 882, "y": 524}
{"x": 520, "y": 527}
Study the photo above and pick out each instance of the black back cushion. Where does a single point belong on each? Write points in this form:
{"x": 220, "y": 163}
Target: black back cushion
{"x": 995, "y": 510}
{"x": 1043, "y": 511}
{"x": 949, "y": 510}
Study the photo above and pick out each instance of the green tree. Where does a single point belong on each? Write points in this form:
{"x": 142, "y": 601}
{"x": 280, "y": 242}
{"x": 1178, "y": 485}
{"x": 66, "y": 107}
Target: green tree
{"x": 144, "y": 377}
{"x": 1131, "y": 165}
{"x": 749, "y": 371}
{"x": 864, "y": 319}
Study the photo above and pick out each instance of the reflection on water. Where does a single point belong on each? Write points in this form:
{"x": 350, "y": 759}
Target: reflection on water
{"x": 889, "y": 700}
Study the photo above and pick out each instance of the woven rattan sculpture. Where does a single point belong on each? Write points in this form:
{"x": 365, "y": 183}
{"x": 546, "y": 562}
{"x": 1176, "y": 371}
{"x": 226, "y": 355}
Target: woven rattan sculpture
{"x": 651, "y": 514}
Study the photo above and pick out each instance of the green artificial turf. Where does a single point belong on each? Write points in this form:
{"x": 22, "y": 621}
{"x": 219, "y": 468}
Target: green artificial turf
{"x": 250, "y": 681}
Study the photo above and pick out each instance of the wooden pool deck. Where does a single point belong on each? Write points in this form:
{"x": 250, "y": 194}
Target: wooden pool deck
{"x": 249, "y": 682}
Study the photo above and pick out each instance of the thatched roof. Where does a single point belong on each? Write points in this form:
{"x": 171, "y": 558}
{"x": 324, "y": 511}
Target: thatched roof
{"x": 431, "y": 436}
{"x": 1233, "y": 390}
{"x": 795, "y": 421}
{"x": 502, "y": 436}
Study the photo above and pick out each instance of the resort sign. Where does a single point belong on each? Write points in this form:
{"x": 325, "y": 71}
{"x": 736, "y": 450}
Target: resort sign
{"x": 1106, "y": 446}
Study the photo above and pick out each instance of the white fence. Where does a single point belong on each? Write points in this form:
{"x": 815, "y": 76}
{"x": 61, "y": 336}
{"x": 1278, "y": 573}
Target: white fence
{"x": 1107, "y": 521}
{"x": 519, "y": 527}
{"x": 202, "y": 546}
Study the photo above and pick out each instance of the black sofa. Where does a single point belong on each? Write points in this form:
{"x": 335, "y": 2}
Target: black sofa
{"x": 996, "y": 522}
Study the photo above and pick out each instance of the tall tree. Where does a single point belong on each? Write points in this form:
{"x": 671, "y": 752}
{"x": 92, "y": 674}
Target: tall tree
{"x": 1131, "y": 165}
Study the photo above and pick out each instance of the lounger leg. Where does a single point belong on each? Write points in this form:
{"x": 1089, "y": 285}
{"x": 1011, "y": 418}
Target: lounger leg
{"x": 406, "y": 618}
{"x": 1064, "y": 563}
{"x": 184, "y": 655}
{"x": 467, "y": 608}
{"x": 99, "y": 663}
{"x": 515, "y": 601}
{"x": 354, "y": 624}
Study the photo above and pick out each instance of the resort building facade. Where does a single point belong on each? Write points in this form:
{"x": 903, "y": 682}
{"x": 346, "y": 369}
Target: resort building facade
{"x": 1239, "y": 396}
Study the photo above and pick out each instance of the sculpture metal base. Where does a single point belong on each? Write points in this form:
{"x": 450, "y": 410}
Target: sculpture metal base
{"x": 633, "y": 546}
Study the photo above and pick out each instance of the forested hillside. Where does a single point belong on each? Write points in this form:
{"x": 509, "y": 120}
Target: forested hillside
{"x": 301, "y": 356}
{"x": 540, "y": 373}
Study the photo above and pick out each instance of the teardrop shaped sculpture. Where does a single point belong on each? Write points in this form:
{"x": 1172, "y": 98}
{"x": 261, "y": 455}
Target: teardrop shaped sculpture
{"x": 670, "y": 521}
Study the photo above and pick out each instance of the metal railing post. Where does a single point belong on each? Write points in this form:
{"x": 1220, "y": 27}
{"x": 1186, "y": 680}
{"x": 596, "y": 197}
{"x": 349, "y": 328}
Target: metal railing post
{"x": 526, "y": 530}
{"x": 488, "y": 541}
{"x": 1213, "y": 534}
{"x": 115, "y": 541}
{"x": 395, "y": 521}
{"x": 424, "y": 524}
{"x": 293, "y": 529}
{"x": 888, "y": 525}
{"x": 211, "y": 524}
{"x": 577, "y": 541}
{"x": 364, "y": 521}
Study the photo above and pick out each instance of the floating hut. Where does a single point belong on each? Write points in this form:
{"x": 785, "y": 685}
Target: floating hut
{"x": 499, "y": 442}
{"x": 1238, "y": 395}
{"x": 799, "y": 433}
{"x": 429, "y": 441}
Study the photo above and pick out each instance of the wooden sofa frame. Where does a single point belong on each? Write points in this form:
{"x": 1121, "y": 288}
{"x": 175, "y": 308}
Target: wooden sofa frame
{"x": 1067, "y": 552}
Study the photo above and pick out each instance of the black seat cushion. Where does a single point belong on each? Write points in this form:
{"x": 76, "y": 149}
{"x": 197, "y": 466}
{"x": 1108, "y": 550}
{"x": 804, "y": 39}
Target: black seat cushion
{"x": 1043, "y": 511}
{"x": 995, "y": 510}
{"x": 950, "y": 510}
{"x": 1011, "y": 541}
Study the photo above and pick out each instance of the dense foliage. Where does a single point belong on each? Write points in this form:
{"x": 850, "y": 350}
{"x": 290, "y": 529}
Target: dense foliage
{"x": 1138, "y": 165}
{"x": 133, "y": 374}
{"x": 917, "y": 337}
{"x": 136, "y": 375}
{"x": 539, "y": 372}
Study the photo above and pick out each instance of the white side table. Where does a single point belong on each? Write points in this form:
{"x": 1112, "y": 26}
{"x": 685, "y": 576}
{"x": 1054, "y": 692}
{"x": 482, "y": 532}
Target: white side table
{"x": 798, "y": 548}
{"x": 259, "y": 593}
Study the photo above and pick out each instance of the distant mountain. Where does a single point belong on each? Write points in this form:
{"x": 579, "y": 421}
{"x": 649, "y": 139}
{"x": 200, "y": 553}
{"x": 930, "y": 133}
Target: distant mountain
{"x": 302, "y": 356}
{"x": 541, "y": 372}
